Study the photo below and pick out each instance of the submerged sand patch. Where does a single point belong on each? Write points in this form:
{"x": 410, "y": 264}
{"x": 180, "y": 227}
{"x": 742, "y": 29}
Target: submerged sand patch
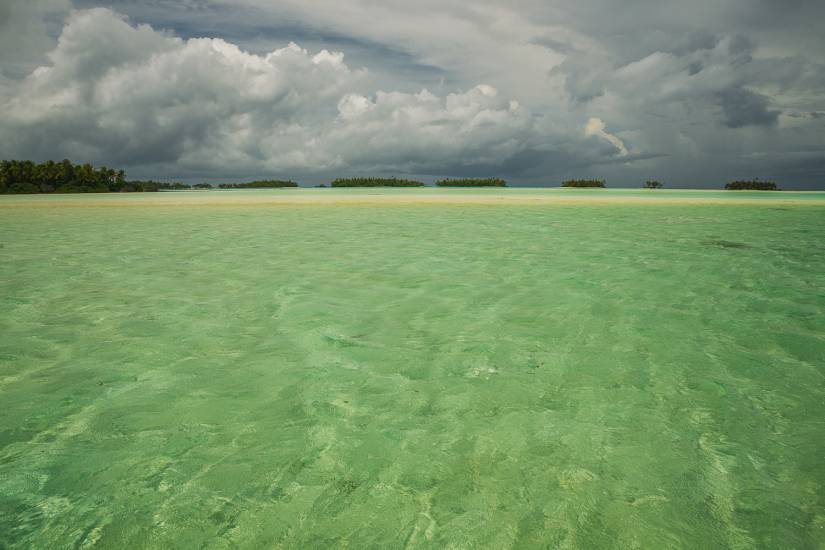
{"x": 390, "y": 197}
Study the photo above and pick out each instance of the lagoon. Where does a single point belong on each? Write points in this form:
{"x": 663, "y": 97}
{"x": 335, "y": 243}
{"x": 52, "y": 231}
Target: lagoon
{"x": 423, "y": 368}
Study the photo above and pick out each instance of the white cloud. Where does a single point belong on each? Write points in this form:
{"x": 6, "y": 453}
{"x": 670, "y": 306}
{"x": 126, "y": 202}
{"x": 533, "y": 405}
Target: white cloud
{"x": 596, "y": 127}
{"x": 418, "y": 131}
{"x": 124, "y": 93}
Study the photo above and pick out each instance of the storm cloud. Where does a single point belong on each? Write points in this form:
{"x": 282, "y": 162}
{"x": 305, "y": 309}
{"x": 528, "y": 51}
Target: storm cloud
{"x": 533, "y": 91}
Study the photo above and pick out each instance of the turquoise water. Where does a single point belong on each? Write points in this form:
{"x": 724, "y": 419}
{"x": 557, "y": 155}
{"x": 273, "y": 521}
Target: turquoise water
{"x": 191, "y": 372}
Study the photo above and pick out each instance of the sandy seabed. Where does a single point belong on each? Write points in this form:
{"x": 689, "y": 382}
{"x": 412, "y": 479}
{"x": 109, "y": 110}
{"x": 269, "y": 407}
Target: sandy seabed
{"x": 501, "y": 369}
{"x": 389, "y": 197}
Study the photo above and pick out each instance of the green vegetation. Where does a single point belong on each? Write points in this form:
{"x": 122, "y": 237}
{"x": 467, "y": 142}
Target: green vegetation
{"x": 472, "y": 182}
{"x": 150, "y": 186}
{"x": 176, "y": 186}
{"x": 263, "y": 184}
{"x": 583, "y": 183}
{"x": 653, "y": 184}
{"x": 375, "y": 182}
{"x": 25, "y": 176}
{"x": 753, "y": 185}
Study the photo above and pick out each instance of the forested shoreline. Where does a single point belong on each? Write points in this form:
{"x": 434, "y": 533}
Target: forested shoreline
{"x": 263, "y": 184}
{"x": 471, "y": 182}
{"x": 25, "y": 176}
{"x": 751, "y": 185}
{"x": 584, "y": 183}
{"x": 28, "y": 177}
{"x": 375, "y": 182}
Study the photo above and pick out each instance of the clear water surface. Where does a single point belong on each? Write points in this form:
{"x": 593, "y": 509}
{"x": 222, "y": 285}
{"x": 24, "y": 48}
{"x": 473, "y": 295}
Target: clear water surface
{"x": 234, "y": 372}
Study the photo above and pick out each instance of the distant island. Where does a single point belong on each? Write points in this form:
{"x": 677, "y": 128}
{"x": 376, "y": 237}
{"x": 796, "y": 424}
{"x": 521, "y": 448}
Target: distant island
{"x": 27, "y": 177}
{"x": 751, "y": 185}
{"x": 583, "y": 183}
{"x": 472, "y": 182}
{"x": 263, "y": 184}
{"x": 24, "y": 176}
{"x": 375, "y": 182}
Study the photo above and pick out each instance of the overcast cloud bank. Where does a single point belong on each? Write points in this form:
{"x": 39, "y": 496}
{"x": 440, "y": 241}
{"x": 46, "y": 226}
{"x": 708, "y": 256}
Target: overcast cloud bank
{"x": 534, "y": 99}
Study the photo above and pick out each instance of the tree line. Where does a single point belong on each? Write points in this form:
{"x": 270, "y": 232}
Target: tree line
{"x": 583, "y": 183}
{"x": 263, "y": 184}
{"x": 375, "y": 182}
{"x": 472, "y": 182}
{"x": 399, "y": 182}
{"x": 754, "y": 185}
{"x": 25, "y": 176}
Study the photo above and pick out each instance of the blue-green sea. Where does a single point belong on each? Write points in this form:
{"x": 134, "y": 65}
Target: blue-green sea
{"x": 413, "y": 369}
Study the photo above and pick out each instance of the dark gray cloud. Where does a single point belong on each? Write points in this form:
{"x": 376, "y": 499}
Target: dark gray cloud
{"x": 743, "y": 107}
{"x": 27, "y": 32}
{"x": 535, "y": 90}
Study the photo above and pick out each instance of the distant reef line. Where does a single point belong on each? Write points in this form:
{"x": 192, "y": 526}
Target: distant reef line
{"x": 399, "y": 182}
{"x": 28, "y": 177}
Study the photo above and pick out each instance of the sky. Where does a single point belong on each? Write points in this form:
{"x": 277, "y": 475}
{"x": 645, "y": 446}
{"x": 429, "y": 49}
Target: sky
{"x": 693, "y": 94}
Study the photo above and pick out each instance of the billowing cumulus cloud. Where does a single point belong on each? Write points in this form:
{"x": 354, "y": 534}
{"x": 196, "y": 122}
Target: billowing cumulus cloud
{"x": 532, "y": 91}
{"x": 121, "y": 93}
{"x": 418, "y": 131}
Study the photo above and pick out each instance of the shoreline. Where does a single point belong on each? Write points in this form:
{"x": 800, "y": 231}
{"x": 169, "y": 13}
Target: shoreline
{"x": 423, "y": 197}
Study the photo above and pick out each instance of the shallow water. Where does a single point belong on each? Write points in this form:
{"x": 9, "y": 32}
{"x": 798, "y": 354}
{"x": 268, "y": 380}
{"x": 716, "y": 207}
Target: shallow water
{"x": 577, "y": 375}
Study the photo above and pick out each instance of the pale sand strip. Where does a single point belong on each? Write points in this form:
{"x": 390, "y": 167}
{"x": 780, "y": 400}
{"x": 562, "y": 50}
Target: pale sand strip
{"x": 322, "y": 198}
